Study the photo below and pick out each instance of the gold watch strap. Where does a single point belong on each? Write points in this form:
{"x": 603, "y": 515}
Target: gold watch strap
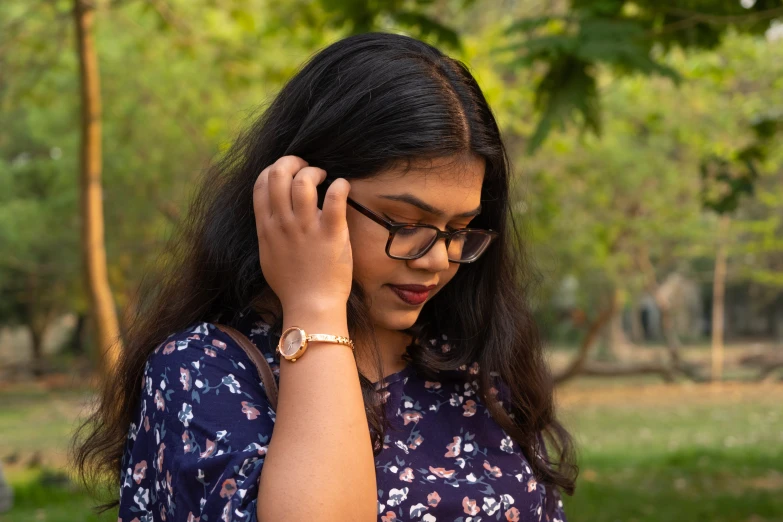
{"x": 307, "y": 338}
{"x": 330, "y": 339}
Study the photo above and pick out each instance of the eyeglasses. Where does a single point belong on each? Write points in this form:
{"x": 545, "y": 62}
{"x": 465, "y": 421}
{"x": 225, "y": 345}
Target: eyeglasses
{"x": 413, "y": 240}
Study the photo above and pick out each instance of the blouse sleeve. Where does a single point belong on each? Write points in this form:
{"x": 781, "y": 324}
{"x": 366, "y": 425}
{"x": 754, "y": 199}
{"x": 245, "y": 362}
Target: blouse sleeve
{"x": 203, "y": 423}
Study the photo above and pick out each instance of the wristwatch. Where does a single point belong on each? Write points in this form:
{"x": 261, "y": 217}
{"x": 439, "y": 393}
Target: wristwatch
{"x": 293, "y": 342}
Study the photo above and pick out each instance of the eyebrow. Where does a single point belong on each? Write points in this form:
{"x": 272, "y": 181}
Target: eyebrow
{"x": 426, "y": 207}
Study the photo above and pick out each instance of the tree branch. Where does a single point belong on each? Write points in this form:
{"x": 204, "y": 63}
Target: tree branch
{"x": 578, "y": 362}
{"x": 602, "y": 369}
{"x": 694, "y": 18}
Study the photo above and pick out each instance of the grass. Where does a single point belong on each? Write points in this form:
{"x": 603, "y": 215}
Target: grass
{"x": 648, "y": 452}
{"x": 35, "y": 429}
{"x": 676, "y": 453}
{"x": 47, "y": 495}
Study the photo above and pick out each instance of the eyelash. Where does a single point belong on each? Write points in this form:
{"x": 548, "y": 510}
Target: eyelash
{"x": 448, "y": 228}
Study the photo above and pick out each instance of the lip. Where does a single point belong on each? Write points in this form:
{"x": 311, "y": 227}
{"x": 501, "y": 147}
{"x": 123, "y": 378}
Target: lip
{"x": 415, "y": 288}
{"x": 412, "y": 297}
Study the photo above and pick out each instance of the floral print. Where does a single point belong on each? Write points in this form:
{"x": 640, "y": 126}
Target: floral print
{"x": 196, "y": 448}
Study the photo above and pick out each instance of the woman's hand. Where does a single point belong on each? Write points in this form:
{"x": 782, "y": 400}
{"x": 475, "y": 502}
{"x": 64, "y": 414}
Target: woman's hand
{"x": 305, "y": 252}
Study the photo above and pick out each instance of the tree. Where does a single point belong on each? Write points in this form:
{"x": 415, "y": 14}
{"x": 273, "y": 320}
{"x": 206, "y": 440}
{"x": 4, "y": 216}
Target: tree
{"x": 627, "y": 36}
{"x": 177, "y": 81}
{"x": 626, "y": 210}
{"x": 38, "y": 269}
{"x": 725, "y": 181}
{"x": 102, "y": 308}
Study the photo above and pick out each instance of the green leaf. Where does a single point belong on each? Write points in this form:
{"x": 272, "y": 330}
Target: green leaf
{"x": 724, "y": 182}
{"x": 429, "y": 27}
{"x": 567, "y": 88}
{"x": 620, "y": 43}
{"x": 244, "y": 20}
{"x": 528, "y": 24}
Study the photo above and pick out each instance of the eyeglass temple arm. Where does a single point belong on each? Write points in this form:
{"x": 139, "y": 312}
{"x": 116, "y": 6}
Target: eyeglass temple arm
{"x": 370, "y": 214}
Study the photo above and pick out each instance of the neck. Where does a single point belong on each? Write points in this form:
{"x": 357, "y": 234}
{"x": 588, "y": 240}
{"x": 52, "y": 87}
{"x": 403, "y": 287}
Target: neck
{"x": 392, "y": 344}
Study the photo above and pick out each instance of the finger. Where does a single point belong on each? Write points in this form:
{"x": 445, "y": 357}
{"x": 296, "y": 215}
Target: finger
{"x": 304, "y": 193}
{"x": 280, "y": 175}
{"x": 261, "y": 207}
{"x": 333, "y": 215}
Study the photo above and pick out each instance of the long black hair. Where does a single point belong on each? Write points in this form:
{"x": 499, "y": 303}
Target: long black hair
{"x": 363, "y": 104}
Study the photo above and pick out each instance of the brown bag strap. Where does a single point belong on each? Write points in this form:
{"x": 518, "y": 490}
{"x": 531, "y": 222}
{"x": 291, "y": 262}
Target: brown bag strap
{"x": 260, "y": 362}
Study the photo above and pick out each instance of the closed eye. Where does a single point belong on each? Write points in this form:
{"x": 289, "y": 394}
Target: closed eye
{"x": 448, "y": 227}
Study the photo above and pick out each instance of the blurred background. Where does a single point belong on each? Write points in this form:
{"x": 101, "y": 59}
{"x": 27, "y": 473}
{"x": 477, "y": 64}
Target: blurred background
{"x": 646, "y": 141}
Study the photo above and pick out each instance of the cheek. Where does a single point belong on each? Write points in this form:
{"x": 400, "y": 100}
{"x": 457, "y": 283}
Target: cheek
{"x": 371, "y": 265}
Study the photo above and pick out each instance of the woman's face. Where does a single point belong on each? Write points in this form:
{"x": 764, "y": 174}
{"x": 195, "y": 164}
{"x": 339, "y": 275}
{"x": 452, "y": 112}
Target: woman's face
{"x": 450, "y": 186}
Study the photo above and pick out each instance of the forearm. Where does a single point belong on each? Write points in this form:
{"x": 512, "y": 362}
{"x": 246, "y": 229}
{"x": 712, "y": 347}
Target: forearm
{"x": 319, "y": 463}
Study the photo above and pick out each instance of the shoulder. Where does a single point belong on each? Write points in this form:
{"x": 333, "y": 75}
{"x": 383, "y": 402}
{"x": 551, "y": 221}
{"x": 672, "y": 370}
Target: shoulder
{"x": 203, "y": 348}
{"x": 192, "y": 367}
{"x": 201, "y": 430}
{"x": 200, "y": 375}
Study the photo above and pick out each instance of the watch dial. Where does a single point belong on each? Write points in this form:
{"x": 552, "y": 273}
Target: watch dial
{"x": 292, "y": 342}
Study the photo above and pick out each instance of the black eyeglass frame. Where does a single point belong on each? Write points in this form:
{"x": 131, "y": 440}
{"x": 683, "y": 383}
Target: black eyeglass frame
{"x": 393, "y": 227}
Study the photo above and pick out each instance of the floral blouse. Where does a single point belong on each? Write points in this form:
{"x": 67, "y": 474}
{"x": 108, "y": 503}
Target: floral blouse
{"x": 203, "y": 423}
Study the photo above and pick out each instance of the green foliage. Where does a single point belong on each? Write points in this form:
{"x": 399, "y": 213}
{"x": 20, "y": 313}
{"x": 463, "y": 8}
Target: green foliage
{"x": 179, "y": 78}
{"x": 567, "y": 86}
{"x": 621, "y": 35}
{"x": 726, "y": 180}
{"x": 38, "y": 217}
{"x": 594, "y": 206}
{"x": 413, "y": 16}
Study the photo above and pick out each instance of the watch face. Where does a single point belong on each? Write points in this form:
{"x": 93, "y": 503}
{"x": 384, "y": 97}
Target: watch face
{"x": 292, "y": 341}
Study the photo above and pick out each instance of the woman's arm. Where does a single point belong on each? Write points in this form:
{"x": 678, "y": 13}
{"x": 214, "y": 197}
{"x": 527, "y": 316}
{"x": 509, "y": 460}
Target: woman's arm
{"x": 319, "y": 464}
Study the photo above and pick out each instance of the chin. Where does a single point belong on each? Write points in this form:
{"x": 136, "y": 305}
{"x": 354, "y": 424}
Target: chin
{"x": 395, "y": 319}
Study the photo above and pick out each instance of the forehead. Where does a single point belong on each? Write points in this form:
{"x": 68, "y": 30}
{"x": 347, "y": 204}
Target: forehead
{"x": 456, "y": 180}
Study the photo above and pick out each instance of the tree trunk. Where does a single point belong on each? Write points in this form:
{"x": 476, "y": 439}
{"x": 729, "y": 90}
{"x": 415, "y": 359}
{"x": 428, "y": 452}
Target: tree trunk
{"x": 718, "y": 298}
{"x": 37, "y": 362}
{"x": 672, "y": 338}
{"x": 581, "y": 365}
{"x": 599, "y": 369}
{"x": 670, "y": 332}
{"x": 662, "y": 296}
{"x": 578, "y": 362}
{"x": 76, "y": 344}
{"x": 36, "y": 318}
{"x": 619, "y": 346}
{"x": 93, "y": 245}
{"x": 768, "y": 363}
{"x": 637, "y": 329}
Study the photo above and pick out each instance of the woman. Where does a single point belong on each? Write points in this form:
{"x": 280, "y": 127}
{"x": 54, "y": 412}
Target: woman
{"x": 439, "y": 409}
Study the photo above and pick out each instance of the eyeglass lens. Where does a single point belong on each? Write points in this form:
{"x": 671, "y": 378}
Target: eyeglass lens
{"x": 411, "y": 242}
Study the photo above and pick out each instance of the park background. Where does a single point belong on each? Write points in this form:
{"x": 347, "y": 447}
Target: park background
{"x": 646, "y": 141}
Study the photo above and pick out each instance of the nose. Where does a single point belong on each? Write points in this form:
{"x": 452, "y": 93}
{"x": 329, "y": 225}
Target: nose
{"x": 435, "y": 260}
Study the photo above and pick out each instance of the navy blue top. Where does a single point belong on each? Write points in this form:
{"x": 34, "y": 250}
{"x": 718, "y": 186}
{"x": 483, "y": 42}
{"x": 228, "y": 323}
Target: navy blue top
{"x": 203, "y": 423}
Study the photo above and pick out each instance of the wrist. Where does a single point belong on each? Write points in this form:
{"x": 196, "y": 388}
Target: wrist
{"x": 331, "y": 320}
{"x": 317, "y": 308}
